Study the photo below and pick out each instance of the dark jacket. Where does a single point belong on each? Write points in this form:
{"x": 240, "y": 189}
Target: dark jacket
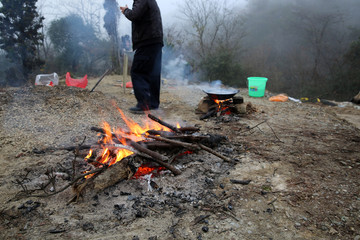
{"x": 146, "y": 23}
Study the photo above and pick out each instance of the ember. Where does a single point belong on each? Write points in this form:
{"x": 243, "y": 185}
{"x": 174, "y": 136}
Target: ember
{"x": 145, "y": 169}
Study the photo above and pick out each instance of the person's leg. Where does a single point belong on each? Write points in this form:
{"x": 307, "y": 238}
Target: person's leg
{"x": 140, "y": 78}
{"x": 155, "y": 77}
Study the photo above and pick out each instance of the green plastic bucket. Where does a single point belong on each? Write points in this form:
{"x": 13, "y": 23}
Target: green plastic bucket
{"x": 256, "y": 86}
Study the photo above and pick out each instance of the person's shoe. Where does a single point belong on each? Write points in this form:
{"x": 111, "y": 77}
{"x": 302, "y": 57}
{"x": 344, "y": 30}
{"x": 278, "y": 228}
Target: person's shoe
{"x": 136, "y": 110}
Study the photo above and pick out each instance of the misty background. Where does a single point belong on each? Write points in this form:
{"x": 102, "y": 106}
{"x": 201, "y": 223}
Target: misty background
{"x": 306, "y": 48}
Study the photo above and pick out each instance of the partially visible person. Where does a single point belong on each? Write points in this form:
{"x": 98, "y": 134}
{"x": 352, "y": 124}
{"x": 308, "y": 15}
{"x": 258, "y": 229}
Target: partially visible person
{"x": 147, "y": 40}
{"x": 125, "y": 42}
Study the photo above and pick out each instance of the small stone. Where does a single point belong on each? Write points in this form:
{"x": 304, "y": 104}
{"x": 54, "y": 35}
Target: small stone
{"x": 205, "y": 229}
{"x": 88, "y": 226}
{"x": 131, "y": 198}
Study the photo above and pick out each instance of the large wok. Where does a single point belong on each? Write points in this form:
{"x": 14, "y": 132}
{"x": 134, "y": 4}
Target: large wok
{"x": 221, "y": 94}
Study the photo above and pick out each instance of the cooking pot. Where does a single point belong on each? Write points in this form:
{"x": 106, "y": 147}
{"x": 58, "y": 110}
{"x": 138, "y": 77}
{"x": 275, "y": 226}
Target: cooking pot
{"x": 221, "y": 94}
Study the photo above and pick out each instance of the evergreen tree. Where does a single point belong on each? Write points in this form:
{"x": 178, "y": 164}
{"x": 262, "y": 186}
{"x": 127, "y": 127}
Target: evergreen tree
{"x": 19, "y": 33}
{"x": 72, "y": 40}
{"x": 111, "y": 25}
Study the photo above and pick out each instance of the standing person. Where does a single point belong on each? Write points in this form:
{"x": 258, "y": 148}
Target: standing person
{"x": 147, "y": 39}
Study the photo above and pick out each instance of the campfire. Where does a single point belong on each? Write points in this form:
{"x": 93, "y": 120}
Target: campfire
{"x": 125, "y": 154}
{"x": 133, "y": 153}
{"x": 218, "y": 104}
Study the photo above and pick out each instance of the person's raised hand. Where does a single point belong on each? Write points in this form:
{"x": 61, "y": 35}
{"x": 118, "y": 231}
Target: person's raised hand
{"x": 123, "y": 8}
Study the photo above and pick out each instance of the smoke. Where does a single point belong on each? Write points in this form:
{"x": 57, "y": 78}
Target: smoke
{"x": 177, "y": 69}
{"x": 182, "y": 82}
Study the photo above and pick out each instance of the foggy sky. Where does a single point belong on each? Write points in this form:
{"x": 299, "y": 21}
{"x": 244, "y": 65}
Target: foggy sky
{"x": 170, "y": 10}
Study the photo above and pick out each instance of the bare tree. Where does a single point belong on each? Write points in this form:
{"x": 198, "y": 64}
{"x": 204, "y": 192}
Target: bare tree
{"x": 211, "y": 28}
{"x": 213, "y": 23}
{"x": 321, "y": 35}
{"x": 89, "y": 10}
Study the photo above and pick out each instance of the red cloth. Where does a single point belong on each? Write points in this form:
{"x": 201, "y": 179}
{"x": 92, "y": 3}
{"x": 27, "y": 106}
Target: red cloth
{"x": 129, "y": 85}
{"x": 80, "y": 83}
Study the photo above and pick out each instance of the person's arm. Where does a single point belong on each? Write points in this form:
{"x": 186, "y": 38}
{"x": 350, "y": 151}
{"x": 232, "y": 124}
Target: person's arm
{"x": 137, "y": 11}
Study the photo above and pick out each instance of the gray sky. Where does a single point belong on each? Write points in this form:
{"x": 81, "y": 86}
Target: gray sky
{"x": 53, "y": 9}
{"x": 169, "y": 11}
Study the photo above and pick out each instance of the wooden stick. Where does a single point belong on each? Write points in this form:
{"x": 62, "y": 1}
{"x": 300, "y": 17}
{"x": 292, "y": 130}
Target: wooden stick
{"x": 173, "y": 128}
{"x": 210, "y": 113}
{"x": 125, "y": 70}
{"x": 192, "y": 147}
{"x": 98, "y": 170}
{"x": 189, "y": 129}
{"x": 178, "y": 143}
{"x": 172, "y": 135}
{"x": 161, "y": 133}
{"x": 274, "y": 132}
{"x": 215, "y": 153}
{"x": 102, "y": 76}
{"x": 157, "y": 145}
{"x": 253, "y": 127}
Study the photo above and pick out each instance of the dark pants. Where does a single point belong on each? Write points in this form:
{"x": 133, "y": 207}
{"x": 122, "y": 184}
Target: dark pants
{"x": 145, "y": 76}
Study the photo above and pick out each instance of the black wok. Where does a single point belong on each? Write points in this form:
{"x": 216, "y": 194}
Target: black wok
{"x": 221, "y": 94}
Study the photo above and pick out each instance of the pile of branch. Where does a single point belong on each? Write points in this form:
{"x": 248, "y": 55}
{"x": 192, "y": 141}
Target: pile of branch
{"x": 186, "y": 138}
{"x": 169, "y": 142}
{"x": 183, "y": 138}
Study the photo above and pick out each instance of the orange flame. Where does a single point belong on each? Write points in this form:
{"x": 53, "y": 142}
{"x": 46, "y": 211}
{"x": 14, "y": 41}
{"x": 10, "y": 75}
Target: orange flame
{"x": 89, "y": 154}
{"x": 136, "y": 133}
{"x": 221, "y": 106}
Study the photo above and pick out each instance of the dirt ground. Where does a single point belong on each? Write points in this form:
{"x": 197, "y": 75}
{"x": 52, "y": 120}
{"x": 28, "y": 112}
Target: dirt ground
{"x": 302, "y": 159}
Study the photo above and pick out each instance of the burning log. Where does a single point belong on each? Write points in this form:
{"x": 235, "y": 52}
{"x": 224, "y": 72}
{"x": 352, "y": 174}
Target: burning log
{"x": 171, "y": 135}
{"x": 161, "y": 133}
{"x": 173, "y": 128}
{"x": 122, "y": 170}
{"x": 104, "y": 177}
{"x": 174, "y": 142}
{"x": 192, "y": 147}
{"x": 143, "y": 152}
{"x": 156, "y": 157}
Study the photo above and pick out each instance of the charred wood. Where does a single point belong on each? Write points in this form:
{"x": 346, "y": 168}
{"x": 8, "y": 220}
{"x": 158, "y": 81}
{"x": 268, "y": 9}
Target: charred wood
{"x": 209, "y": 114}
{"x": 242, "y": 182}
{"x": 189, "y": 129}
{"x": 153, "y": 145}
{"x": 215, "y": 153}
{"x": 161, "y": 133}
{"x": 173, "y": 128}
{"x": 191, "y": 146}
{"x": 156, "y": 157}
